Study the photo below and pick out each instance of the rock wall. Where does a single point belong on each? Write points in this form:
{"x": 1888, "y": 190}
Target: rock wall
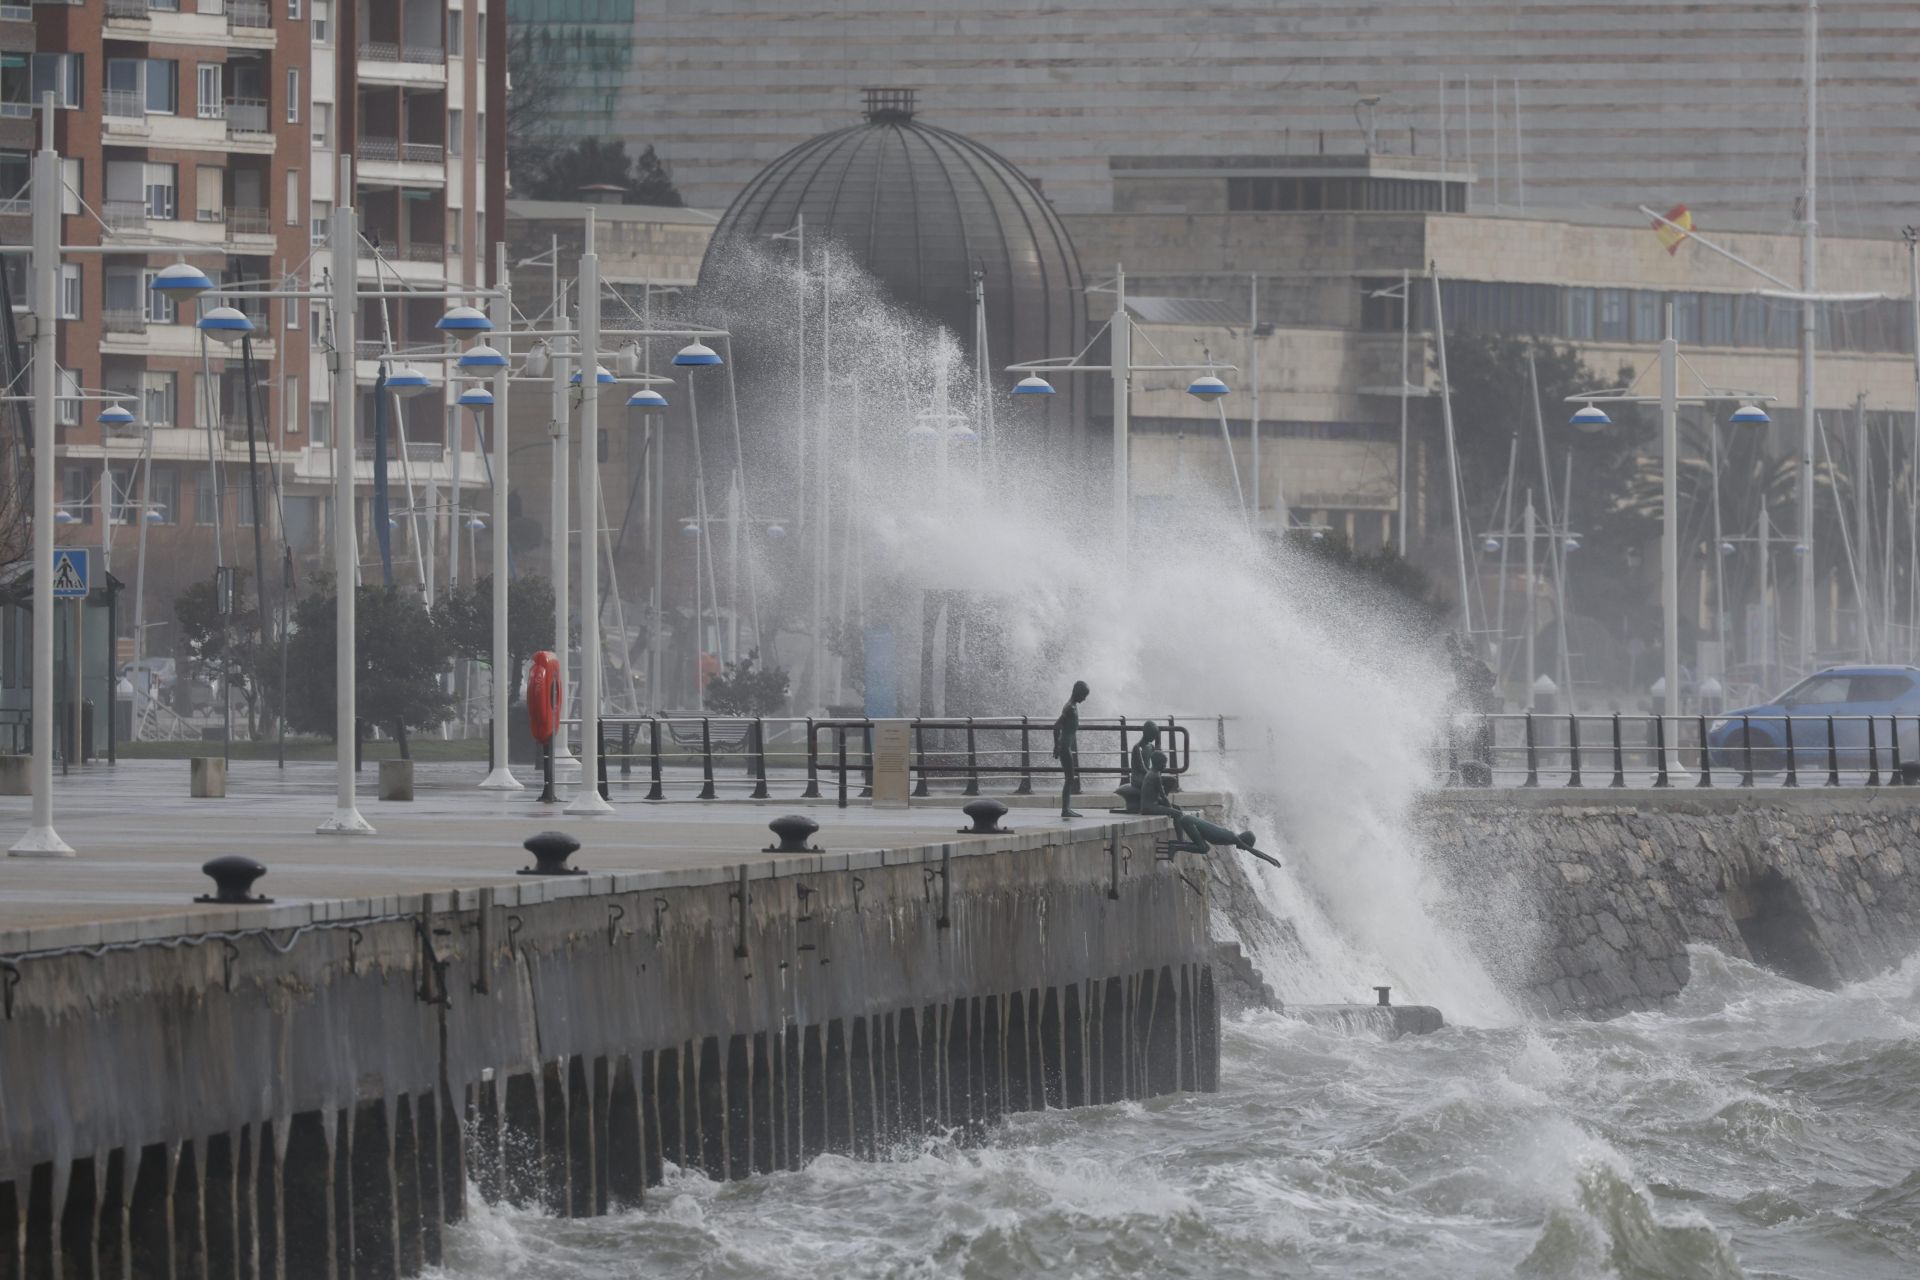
{"x": 1585, "y": 901}
{"x": 308, "y": 1097}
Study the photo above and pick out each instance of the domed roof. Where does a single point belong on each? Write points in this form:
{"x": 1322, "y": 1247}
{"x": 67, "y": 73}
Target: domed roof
{"x": 922, "y": 208}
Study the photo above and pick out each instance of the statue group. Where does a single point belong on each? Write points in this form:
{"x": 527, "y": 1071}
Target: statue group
{"x": 1148, "y": 787}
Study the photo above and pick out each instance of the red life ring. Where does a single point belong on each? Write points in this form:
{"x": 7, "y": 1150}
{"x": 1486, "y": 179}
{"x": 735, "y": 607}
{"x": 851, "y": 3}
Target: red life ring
{"x": 544, "y": 698}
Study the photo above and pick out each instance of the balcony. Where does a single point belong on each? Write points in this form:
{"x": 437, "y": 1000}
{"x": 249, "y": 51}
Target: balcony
{"x": 243, "y": 221}
{"x": 394, "y": 151}
{"x": 127, "y": 10}
{"x": 16, "y": 13}
{"x": 420, "y": 54}
{"x": 248, "y": 116}
{"x": 430, "y": 451}
{"x": 385, "y": 62}
{"x": 130, "y": 320}
{"x": 16, "y": 111}
{"x": 124, "y": 104}
{"x": 124, "y": 215}
{"x": 249, "y": 15}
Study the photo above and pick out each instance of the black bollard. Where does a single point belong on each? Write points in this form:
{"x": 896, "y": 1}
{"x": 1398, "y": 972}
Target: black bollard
{"x": 794, "y": 830}
{"x": 550, "y": 850}
{"x": 985, "y": 816}
{"x": 1381, "y": 995}
{"x": 233, "y": 875}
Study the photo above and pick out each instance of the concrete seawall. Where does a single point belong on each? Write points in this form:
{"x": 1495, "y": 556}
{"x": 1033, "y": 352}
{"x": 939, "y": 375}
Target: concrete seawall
{"x": 1585, "y": 901}
{"x": 304, "y": 1090}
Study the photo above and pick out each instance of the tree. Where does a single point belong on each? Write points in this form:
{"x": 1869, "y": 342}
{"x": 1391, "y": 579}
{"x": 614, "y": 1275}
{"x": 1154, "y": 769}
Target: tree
{"x": 215, "y": 648}
{"x": 563, "y": 174}
{"x": 401, "y": 651}
{"x": 746, "y": 689}
{"x": 467, "y": 616}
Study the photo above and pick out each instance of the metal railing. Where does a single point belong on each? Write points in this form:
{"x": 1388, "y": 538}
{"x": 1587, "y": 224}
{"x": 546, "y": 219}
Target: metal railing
{"x": 126, "y": 10}
{"x": 244, "y": 221}
{"x": 958, "y": 755}
{"x": 124, "y": 320}
{"x": 417, "y": 451}
{"x": 249, "y": 14}
{"x": 1616, "y": 750}
{"x": 247, "y": 115}
{"x": 389, "y": 51}
{"x": 124, "y": 215}
{"x": 124, "y": 104}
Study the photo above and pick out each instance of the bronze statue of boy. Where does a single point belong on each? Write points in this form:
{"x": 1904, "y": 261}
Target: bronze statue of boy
{"x": 1066, "y": 746}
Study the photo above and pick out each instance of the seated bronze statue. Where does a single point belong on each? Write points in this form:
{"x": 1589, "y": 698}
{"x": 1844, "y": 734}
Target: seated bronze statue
{"x": 1139, "y": 761}
{"x": 1198, "y": 835}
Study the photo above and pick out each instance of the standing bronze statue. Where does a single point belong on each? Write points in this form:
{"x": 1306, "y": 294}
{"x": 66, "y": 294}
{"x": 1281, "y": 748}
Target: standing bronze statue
{"x": 1066, "y": 746}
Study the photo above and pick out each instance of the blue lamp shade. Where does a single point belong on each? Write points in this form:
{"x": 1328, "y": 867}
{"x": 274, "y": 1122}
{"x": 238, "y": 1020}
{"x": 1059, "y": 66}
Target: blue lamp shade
{"x": 1206, "y": 387}
{"x": 407, "y": 381}
{"x": 115, "y": 416}
{"x": 961, "y": 433}
{"x": 921, "y": 430}
{"x": 64, "y": 516}
{"x": 155, "y": 515}
{"x": 180, "y": 281}
{"x": 696, "y": 354}
{"x": 1750, "y": 415}
{"x": 1572, "y": 544}
{"x": 776, "y": 531}
{"x": 228, "y": 324}
{"x": 1589, "y": 417}
{"x": 1491, "y": 545}
{"x": 464, "y": 320}
{"x": 476, "y": 524}
{"x": 602, "y": 376}
{"x": 1726, "y": 548}
{"x": 647, "y": 400}
{"x": 481, "y": 356}
{"x": 1799, "y": 548}
{"x": 1033, "y": 385}
{"x": 476, "y": 398}
{"x": 690, "y": 528}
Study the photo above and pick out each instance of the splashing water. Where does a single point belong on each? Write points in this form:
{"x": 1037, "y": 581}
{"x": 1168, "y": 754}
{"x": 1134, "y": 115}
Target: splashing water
{"x": 1334, "y": 696}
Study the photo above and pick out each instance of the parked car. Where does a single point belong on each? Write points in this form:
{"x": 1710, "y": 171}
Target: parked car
{"x": 1835, "y": 716}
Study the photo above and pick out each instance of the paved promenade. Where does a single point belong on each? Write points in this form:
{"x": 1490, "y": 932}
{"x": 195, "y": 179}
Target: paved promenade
{"x": 141, "y": 840}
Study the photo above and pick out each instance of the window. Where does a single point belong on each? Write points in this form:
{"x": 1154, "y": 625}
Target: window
{"x": 67, "y": 407}
{"x": 1686, "y": 317}
{"x": 163, "y": 495}
{"x": 317, "y": 320}
{"x": 1579, "y": 325}
{"x": 454, "y": 33}
{"x": 1611, "y": 326}
{"x": 323, "y": 124}
{"x": 16, "y": 171}
{"x": 293, "y": 95}
{"x": 292, "y": 309}
{"x": 243, "y": 499}
{"x": 59, "y": 73}
{"x": 293, "y": 10}
{"x": 322, "y": 21}
{"x": 123, "y": 490}
{"x": 456, "y": 120}
{"x": 159, "y": 394}
{"x": 290, "y": 406}
{"x": 163, "y": 87}
{"x": 319, "y": 425}
{"x": 163, "y": 191}
{"x": 1716, "y": 319}
{"x": 74, "y": 486}
{"x": 210, "y": 193}
{"x": 206, "y": 501}
{"x": 69, "y": 291}
{"x": 322, "y": 219}
{"x": 69, "y": 185}
{"x": 156, "y": 306}
{"x": 208, "y": 102}
{"x": 293, "y": 197}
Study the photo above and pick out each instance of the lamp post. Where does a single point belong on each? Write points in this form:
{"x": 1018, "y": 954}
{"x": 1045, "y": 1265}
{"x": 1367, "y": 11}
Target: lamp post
{"x": 1121, "y": 370}
{"x": 1591, "y": 416}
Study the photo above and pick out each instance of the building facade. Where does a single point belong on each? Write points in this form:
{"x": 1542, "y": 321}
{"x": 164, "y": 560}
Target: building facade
{"x": 221, "y": 126}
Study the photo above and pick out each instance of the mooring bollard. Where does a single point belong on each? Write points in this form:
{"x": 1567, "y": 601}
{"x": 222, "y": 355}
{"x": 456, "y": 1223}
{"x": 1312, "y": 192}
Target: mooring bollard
{"x": 760, "y": 791}
{"x": 793, "y": 831}
{"x": 1706, "y": 757}
{"x": 1746, "y": 751}
{"x": 813, "y": 765}
{"x": 1660, "y": 778}
{"x": 1533, "y": 756}
{"x": 233, "y": 876}
{"x": 1793, "y": 765}
{"x": 550, "y": 850}
{"x": 1573, "y": 749}
{"x": 1381, "y": 995}
{"x": 985, "y": 816}
{"x": 1026, "y": 761}
{"x": 657, "y": 790}
{"x": 1619, "y": 755}
{"x": 707, "y": 791}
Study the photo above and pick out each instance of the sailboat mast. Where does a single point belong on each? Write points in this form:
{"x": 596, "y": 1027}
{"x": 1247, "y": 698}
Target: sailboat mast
{"x": 1809, "y": 330}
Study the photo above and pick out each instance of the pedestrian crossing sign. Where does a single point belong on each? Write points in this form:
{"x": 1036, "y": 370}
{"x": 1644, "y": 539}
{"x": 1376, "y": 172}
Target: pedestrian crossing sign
{"x": 70, "y": 577}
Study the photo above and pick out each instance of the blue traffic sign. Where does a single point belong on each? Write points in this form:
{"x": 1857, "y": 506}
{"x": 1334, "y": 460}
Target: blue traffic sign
{"x": 70, "y": 573}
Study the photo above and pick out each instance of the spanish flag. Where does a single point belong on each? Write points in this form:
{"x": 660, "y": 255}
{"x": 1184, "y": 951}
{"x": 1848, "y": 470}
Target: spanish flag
{"x": 1673, "y": 231}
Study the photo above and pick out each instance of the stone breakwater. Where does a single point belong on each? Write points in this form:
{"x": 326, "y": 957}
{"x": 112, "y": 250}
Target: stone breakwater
{"x": 306, "y": 1092}
{"x": 1585, "y": 901}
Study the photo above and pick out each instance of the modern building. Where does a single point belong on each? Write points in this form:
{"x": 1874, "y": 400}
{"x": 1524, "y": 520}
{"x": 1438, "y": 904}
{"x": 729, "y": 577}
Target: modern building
{"x": 1589, "y": 104}
{"x": 221, "y": 126}
{"x": 582, "y": 56}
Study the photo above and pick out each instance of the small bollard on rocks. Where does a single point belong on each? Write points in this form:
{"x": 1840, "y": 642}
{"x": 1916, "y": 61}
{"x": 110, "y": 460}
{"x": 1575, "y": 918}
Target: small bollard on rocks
{"x": 550, "y": 850}
{"x": 985, "y": 816}
{"x": 1383, "y": 993}
{"x": 793, "y": 830}
{"x": 207, "y": 778}
{"x": 233, "y": 875}
{"x": 396, "y": 779}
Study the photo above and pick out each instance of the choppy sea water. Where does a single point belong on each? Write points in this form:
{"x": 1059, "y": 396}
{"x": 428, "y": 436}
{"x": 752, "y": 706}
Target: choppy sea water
{"x": 1757, "y": 1128}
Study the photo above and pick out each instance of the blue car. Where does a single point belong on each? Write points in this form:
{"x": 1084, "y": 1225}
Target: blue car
{"x": 1859, "y": 703}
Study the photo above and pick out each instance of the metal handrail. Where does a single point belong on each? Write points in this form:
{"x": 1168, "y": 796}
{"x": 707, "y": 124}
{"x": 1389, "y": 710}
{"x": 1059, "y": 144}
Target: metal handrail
{"x": 1565, "y": 749}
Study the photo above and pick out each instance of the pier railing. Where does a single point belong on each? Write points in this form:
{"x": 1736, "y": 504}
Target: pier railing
{"x": 696, "y": 756}
{"x": 1704, "y": 751}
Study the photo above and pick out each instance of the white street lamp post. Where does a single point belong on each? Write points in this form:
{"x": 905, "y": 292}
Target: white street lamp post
{"x": 501, "y": 779}
{"x": 587, "y": 800}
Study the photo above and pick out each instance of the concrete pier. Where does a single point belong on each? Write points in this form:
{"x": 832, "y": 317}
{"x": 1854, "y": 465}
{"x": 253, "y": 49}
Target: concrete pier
{"x": 303, "y": 1089}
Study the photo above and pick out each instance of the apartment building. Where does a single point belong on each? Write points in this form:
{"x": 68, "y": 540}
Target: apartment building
{"x": 220, "y": 125}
